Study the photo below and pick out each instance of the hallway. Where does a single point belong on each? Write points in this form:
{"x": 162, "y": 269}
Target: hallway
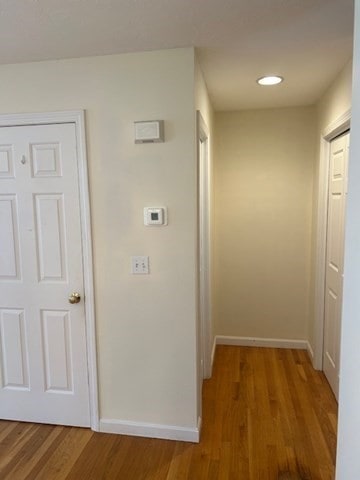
{"x": 267, "y": 415}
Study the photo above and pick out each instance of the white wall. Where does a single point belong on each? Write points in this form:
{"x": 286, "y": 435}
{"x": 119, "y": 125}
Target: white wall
{"x": 263, "y": 191}
{"x": 348, "y": 458}
{"x": 146, "y": 325}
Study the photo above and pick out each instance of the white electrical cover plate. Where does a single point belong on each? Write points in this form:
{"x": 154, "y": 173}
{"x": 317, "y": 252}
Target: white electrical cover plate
{"x": 140, "y": 265}
{"x": 155, "y": 216}
{"x": 149, "y": 131}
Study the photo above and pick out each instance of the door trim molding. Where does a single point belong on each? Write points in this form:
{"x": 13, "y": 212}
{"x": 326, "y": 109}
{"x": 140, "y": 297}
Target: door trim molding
{"x": 202, "y": 135}
{"x": 339, "y": 126}
{"x": 77, "y": 117}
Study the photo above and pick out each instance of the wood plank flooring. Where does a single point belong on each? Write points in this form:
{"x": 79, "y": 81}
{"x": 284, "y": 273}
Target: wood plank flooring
{"x": 267, "y": 415}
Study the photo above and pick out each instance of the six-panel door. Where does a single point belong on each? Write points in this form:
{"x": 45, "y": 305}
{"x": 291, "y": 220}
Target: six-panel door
{"x": 335, "y": 259}
{"x": 43, "y": 363}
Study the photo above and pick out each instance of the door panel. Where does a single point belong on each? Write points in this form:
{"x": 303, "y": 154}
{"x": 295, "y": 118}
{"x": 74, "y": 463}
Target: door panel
{"x": 43, "y": 340}
{"x": 6, "y": 161}
{"x": 46, "y": 160}
{"x": 9, "y": 238}
{"x": 14, "y": 359}
{"x": 50, "y": 237}
{"x": 335, "y": 231}
{"x": 57, "y": 348}
{"x": 331, "y": 331}
{"x": 335, "y": 259}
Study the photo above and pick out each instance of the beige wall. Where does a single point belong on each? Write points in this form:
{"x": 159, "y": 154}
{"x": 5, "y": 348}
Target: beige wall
{"x": 146, "y": 325}
{"x": 331, "y": 106}
{"x": 263, "y": 195}
{"x": 202, "y": 99}
{"x": 337, "y": 99}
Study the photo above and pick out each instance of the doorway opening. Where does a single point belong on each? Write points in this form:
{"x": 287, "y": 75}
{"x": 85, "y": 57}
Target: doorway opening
{"x": 204, "y": 200}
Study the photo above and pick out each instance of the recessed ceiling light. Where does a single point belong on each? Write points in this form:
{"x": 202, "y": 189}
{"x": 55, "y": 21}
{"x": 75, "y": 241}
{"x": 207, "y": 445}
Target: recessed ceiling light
{"x": 270, "y": 80}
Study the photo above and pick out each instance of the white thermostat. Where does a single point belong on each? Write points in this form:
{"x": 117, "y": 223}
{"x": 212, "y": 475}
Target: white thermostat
{"x": 155, "y": 216}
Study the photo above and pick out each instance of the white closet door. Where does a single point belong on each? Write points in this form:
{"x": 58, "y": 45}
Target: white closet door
{"x": 335, "y": 258}
{"x": 43, "y": 361}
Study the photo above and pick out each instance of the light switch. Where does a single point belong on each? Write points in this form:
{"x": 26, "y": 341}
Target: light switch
{"x": 140, "y": 265}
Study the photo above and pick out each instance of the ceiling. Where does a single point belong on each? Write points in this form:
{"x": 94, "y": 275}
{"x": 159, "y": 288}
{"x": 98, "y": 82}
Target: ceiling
{"x": 306, "y": 41}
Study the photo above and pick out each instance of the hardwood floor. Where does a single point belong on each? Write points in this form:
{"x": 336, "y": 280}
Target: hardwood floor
{"x": 267, "y": 415}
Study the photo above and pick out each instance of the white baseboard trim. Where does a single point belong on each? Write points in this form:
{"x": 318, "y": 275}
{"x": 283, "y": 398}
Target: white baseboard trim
{"x": 167, "y": 432}
{"x": 199, "y": 429}
{"x": 310, "y": 352}
{"x": 261, "y": 342}
{"x": 213, "y": 354}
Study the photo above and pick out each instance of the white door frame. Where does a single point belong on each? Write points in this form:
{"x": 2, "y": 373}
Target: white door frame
{"x": 204, "y": 239}
{"x": 331, "y": 131}
{"x": 77, "y": 117}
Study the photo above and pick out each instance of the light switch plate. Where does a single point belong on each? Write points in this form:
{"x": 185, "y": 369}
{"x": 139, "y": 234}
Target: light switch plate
{"x": 140, "y": 265}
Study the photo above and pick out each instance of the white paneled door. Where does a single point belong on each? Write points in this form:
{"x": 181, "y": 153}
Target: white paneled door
{"x": 43, "y": 362}
{"x": 339, "y": 151}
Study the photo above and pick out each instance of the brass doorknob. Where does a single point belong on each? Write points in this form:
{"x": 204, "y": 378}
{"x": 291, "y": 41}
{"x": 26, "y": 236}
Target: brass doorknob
{"x": 74, "y": 297}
